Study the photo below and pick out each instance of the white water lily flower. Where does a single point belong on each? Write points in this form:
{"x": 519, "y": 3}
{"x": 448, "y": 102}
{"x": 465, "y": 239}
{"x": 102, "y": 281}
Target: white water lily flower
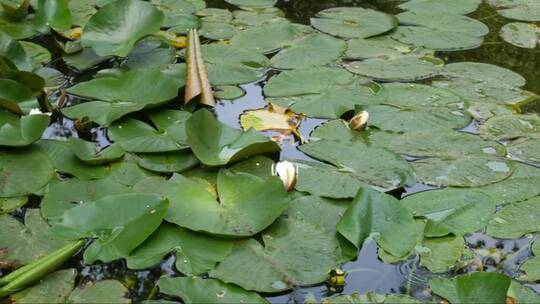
{"x": 37, "y": 111}
{"x": 359, "y": 121}
{"x": 287, "y": 172}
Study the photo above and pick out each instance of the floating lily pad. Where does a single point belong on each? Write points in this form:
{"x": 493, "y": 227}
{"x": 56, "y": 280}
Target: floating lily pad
{"x": 511, "y": 127}
{"x": 117, "y": 26}
{"x": 531, "y": 269}
{"x": 58, "y": 288}
{"x": 465, "y": 171}
{"x": 149, "y": 53}
{"x": 195, "y": 252}
{"x": 53, "y": 14}
{"x": 520, "y": 186}
{"x": 461, "y": 7}
{"x": 516, "y": 220}
{"x": 483, "y": 72}
{"x": 139, "y": 137}
{"x": 485, "y": 287}
{"x": 21, "y": 131}
{"x": 118, "y": 222}
{"x": 375, "y": 212}
{"x": 252, "y": 3}
{"x": 24, "y": 243}
{"x": 418, "y": 96}
{"x": 381, "y": 46}
{"x": 399, "y": 68}
{"x": 216, "y": 144}
{"x": 353, "y": 22}
{"x": 89, "y": 153}
{"x": 37, "y": 54}
{"x": 523, "y": 10}
{"x": 370, "y": 297}
{"x": 312, "y": 50}
{"x": 524, "y": 35}
{"x": 194, "y": 204}
{"x": 10, "y": 204}
{"x": 14, "y": 51}
{"x": 168, "y": 162}
{"x": 442, "y": 253}
{"x": 198, "y": 290}
{"x": 457, "y": 211}
{"x": 526, "y": 151}
{"x": 228, "y": 92}
{"x": 23, "y": 171}
{"x": 229, "y": 65}
{"x": 269, "y": 38}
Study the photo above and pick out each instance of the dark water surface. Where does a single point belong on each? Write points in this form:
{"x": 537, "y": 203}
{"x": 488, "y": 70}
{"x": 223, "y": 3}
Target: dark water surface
{"x": 367, "y": 273}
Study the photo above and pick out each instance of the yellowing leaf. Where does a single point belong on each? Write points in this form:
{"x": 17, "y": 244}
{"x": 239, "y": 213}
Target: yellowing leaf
{"x": 197, "y": 83}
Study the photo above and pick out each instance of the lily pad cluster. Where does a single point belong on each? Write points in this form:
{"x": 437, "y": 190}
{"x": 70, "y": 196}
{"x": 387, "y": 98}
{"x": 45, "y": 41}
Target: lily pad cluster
{"x": 167, "y": 178}
{"x": 523, "y": 30}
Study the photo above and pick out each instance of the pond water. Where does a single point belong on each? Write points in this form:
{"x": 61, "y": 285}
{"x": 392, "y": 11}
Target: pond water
{"x": 368, "y": 273}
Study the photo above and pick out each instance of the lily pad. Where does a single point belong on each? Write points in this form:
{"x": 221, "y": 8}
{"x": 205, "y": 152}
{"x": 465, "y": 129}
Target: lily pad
{"x": 524, "y": 35}
{"x": 523, "y": 10}
{"x": 511, "y": 126}
{"x": 485, "y": 287}
{"x": 442, "y": 253}
{"x": 24, "y": 243}
{"x": 381, "y": 216}
{"x": 520, "y": 186}
{"x": 117, "y": 26}
{"x": 139, "y": 137}
{"x": 198, "y": 290}
{"x": 457, "y": 211}
{"x": 398, "y": 68}
{"x": 312, "y": 50}
{"x": 526, "y": 151}
{"x": 418, "y": 96}
{"x": 10, "y": 204}
{"x": 269, "y": 38}
{"x": 89, "y": 153}
{"x": 465, "y": 171}
{"x": 380, "y": 46}
{"x": 216, "y": 144}
{"x": 516, "y": 220}
{"x": 194, "y": 203}
{"x": 483, "y": 72}
{"x": 53, "y": 14}
{"x": 353, "y": 22}
{"x": 461, "y": 7}
{"x": 21, "y": 131}
{"x": 252, "y": 3}
{"x": 228, "y": 92}
{"x": 168, "y": 162}
{"x": 196, "y": 253}
{"x": 14, "y": 51}
{"x": 23, "y": 171}
{"x": 119, "y": 223}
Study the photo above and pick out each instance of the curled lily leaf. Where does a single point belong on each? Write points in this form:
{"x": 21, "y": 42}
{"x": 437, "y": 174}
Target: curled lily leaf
{"x": 287, "y": 172}
{"x": 197, "y": 83}
{"x": 359, "y": 121}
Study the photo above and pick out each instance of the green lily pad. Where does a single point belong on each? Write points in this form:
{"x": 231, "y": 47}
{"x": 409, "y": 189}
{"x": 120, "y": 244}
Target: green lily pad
{"x": 399, "y": 68}
{"x": 21, "y": 131}
{"x": 194, "y": 203}
{"x": 524, "y": 35}
{"x": 37, "y": 54}
{"x": 380, "y": 46}
{"x": 139, "y": 137}
{"x": 252, "y": 3}
{"x": 445, "y": 144}
{"x": 228, "y": 92}
{"x": 381, "y": 216}
{"x": 58, "y": 287}
{"x": 53, "y": 14}
{"x": 216, "y": 144}
{"x": 520, "y": 186}
{"x": 198, "y": 290}
{"x": 511, "y": 126}
{"x": 83, "y": 60}
{"x": 89, "y": 153}
{"x": 516, "y": 220}
{"x": 464, "y": 171}
{"x": 24, "y": 243}
{"x": 353, "y": 22}
{"x": 117, "y": 26}
{"x": 312, "y": 50}
{"x": 293, "y": 252}
{"x": 101, "y": 112}
{"x": 230, "y": 65}
{"x": 119, "y": 223}
{"x": 10, "y": 204}
{"x": 485, "y": 287}
{"x": 370, "y": 297}
{"x": 442, "y": 253}
{"x": 64, "y": 160}
{"x": 196, "y": 253}
{"x": 149, "y": 53}
{"x": 531, "y": 270}
{"x": 168, "y": 162}
{"x": 526, "y": 151}
{"x": 269, "y": 38}
{"x": 402, "y": 120}
{"x": 418, "y": 96}
{"x": 523, "y": 10}
{"x": 461, "y": 7}
{"x": 483, "y": 72}
{"x": 457, "y": 211}
{"x": 23, "y": 171}
{"x": 523, "y": 293}
{"x": 14, "y": 51}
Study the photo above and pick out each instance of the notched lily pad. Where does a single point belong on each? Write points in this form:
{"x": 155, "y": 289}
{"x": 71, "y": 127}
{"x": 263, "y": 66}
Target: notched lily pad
{"x": 89, "y": 153}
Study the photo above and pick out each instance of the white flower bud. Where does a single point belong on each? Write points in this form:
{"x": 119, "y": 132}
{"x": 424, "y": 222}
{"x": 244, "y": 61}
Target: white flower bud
{"x": 359, "y": 121}
{"x": 287, "y": 172}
